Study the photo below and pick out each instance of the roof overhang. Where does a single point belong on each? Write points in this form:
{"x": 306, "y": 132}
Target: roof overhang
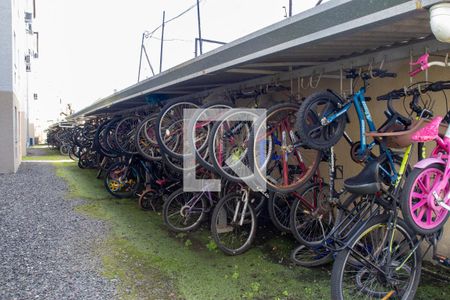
{"x": 322, "y": 39}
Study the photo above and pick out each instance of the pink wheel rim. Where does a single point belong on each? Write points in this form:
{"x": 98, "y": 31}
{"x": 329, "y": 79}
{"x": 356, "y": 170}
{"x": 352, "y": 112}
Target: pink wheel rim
{"x": 421, "y": 199}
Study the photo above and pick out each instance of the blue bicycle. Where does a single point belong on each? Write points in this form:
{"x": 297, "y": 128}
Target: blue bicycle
{"x": 322, "y": 118}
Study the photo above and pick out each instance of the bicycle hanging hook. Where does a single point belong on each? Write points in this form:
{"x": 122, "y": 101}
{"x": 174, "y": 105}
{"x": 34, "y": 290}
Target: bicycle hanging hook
{"x": 302, "y": 86}
{"x": 382, "y": 63}
{"x": 370, "y": 69}
{"x": 314, "y": 86}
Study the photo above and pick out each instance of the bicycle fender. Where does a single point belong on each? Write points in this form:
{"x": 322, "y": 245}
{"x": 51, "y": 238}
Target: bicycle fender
{"x": 428, "y": 161}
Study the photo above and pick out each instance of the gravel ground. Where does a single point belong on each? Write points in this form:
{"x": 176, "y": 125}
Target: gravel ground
{"x": 46, "y": 248}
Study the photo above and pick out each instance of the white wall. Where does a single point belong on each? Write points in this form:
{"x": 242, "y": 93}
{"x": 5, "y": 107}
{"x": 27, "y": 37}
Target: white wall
{"x": 15, "y": 43}
{"x": 5, "y": 46}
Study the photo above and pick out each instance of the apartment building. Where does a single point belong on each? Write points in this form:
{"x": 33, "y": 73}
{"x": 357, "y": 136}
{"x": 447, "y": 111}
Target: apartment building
{"x": 18, "y": 49}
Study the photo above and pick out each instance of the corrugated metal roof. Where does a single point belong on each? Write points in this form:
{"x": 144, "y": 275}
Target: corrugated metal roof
{"x": 331, "y": 32}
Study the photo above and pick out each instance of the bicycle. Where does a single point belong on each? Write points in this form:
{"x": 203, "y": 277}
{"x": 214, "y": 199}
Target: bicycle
{"x": 382, "y": 258}
{"x": 354, "y": 211}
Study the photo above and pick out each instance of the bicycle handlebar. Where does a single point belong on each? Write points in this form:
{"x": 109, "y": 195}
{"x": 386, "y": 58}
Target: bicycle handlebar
{"x": 352, "y": 74}
{"x": 432, "y": 87}
{"x": 424, "y": 64}
{"x": 383, "y": 73}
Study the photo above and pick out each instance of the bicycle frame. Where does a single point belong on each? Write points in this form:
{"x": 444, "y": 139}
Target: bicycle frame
{"x": 363, "y": 112}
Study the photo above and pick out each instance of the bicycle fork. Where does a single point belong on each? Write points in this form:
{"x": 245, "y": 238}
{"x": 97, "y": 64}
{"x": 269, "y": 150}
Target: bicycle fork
{"x": 244, "y": 200}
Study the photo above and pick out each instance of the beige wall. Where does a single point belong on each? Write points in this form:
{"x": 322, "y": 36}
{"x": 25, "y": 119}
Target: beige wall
{"x": 13, "y": 140}
{"x": 7, "y": 159}
{"x": 378, "y": 87}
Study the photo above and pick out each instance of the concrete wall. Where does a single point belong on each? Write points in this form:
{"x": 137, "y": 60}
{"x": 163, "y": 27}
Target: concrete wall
{"x": 8, "y": 161}
{"x": 14, "y": 83}
{"x": 6, "y": 74}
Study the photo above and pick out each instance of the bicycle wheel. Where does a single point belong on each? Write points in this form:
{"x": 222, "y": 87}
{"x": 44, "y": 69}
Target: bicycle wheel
{"x": 201, "y": 123}
{"x": 283, "y": 163}
{"x": 232, "y": 232}
{"x": 169, "y": 127}
{"x": 228, "y": 145}
{"x": 122, "y": 180}
{"x": 184, "y": 211}
{"x": 279, "y": 207}
{"x": 100, "y": 140}
{"x": 307, "y": 257}
{"x": 146, "y": 142}
{"x": 149, "y": 200}
{"x": 312, "y": 217}
{"x": 64, "y": 149}
{"x": 311, "y": 116}
{"x": 125, "y": 135}
{"x": 379, "y": 262}
{"x": 418, "y": 206}
{"x": 108, "y": 139}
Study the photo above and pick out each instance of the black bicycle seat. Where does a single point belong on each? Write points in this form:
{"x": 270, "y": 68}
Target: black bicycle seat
{"x": 366, "y": 182}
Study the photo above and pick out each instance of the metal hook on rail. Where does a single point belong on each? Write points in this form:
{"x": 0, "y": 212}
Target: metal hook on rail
{"x": 382, "y": 63}
{"x": 370, "y": 69}
{"x": 314, "y": 86}
{"x": 302, "y": 86}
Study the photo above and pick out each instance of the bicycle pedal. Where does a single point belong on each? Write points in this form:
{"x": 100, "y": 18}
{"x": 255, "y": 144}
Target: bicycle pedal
{"x": 445, "y": 261}
{"x": 388, "y": 295}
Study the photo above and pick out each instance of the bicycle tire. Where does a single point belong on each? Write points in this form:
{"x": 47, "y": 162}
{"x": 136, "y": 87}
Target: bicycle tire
{"x": 218, "y": 213}
{"x": 146, "y": 147}
{"x": 297, "y": 206}
{"x": 131, "y": 170}
{"x": 165, "y": 111}
{"x": 244, "y": 156}
{"x": 317, "y": 260}
{"x": 406, "y": 208}
{"x": 276, "y": 210}
{"x": 305, "y": 112}
{"x": 167, "y": 215}
{"x": 297, "y": 177}
{"x": 343, "y": 256}
{"x": 203, "y": 160}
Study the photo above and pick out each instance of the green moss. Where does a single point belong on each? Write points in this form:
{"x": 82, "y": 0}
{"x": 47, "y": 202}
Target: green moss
{"x": 45, "y": 157}
{"x": 149, "y": 262}
{"x": 43, "y": 153}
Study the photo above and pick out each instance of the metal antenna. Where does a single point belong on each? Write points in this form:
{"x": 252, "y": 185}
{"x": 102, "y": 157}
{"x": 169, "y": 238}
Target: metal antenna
{"x": 162, "y": 42}
{"x": 144, "y": 51}
{"x": 199, "y": 28}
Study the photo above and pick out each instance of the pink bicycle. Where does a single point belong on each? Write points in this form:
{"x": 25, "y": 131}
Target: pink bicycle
{"x": 425, "y": 202}
{"x": 426, "y": 193}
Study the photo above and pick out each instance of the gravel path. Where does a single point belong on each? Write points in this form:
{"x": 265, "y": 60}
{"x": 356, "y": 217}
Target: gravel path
{"x": 46, "y": 248}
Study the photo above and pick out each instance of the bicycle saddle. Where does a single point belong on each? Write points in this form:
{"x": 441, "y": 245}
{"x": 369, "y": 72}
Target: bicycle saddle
{"x": 366, "y": 182}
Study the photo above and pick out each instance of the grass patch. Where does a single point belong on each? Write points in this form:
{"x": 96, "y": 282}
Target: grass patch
{"x": 45, "y": 157}
{"x": 152, "y": 263}
{"x": 42, "y": 152}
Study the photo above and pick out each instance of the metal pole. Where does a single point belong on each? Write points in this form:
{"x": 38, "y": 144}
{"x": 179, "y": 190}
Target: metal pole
{"x": 162, "y": 42}
{"x": 140, "y": 57}
{"x": 199, "y": 27}
{"x": 290, "y": 8}
{"x": 148, "y": 60}
{"x": 196, "y": 47}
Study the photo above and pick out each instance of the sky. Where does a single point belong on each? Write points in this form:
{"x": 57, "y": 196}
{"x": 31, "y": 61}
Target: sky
{"x": 90, "y": 48}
